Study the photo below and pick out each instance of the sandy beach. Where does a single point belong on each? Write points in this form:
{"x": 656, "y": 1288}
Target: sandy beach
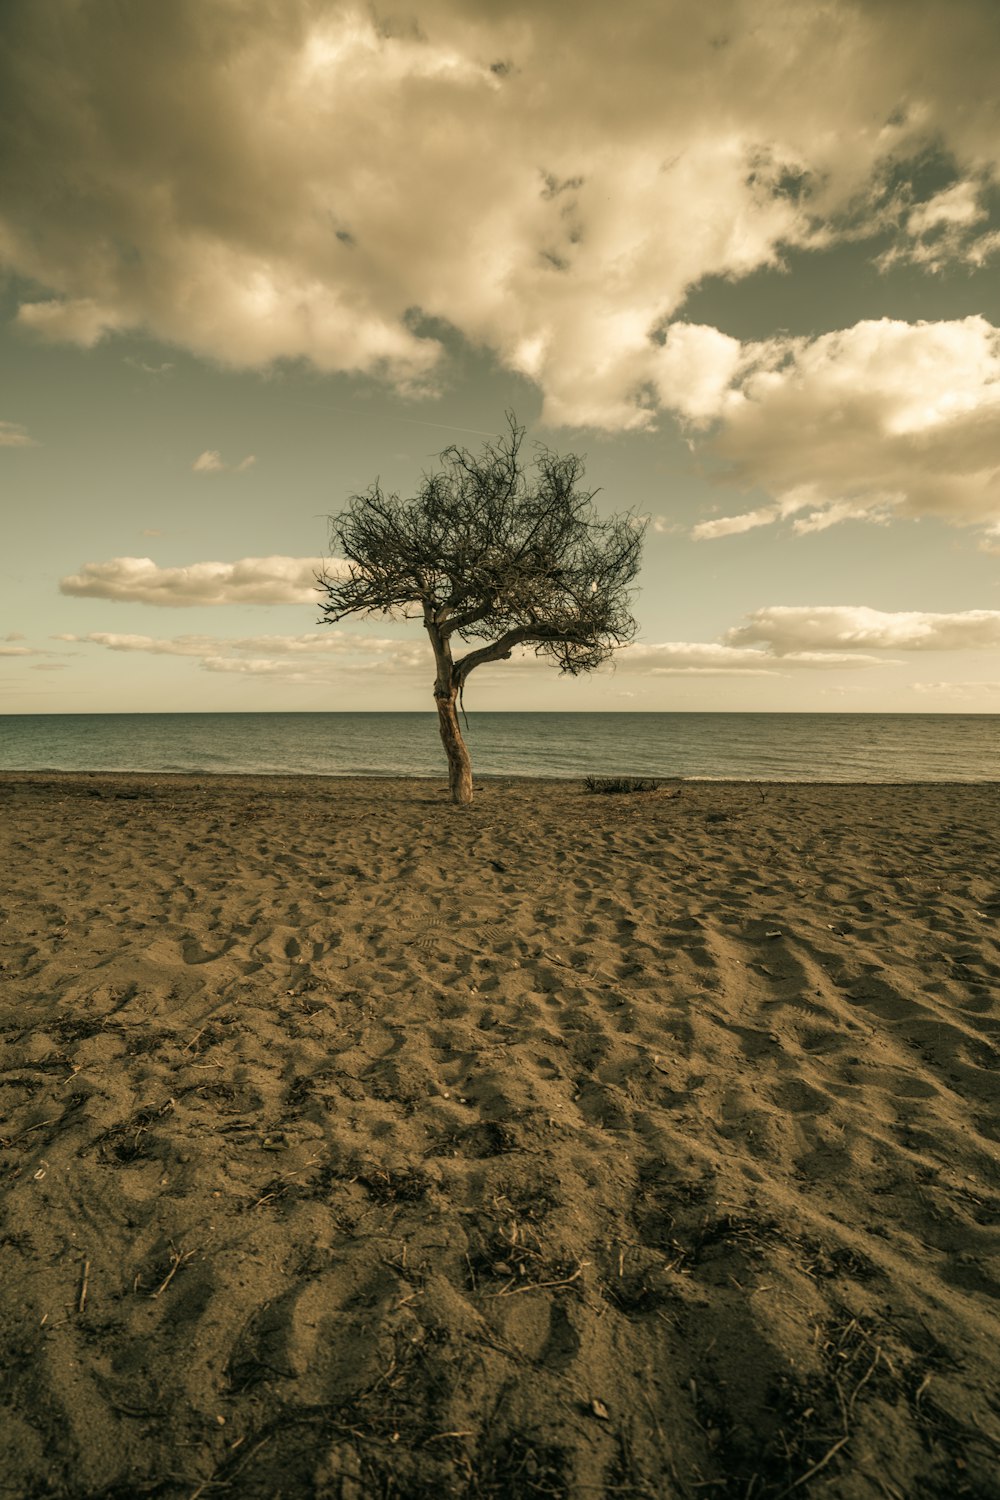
{"x": 566, "y": 1145}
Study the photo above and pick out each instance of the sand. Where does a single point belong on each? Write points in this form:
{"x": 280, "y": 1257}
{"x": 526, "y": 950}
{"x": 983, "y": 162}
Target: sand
{"x": 565, "y": 1145}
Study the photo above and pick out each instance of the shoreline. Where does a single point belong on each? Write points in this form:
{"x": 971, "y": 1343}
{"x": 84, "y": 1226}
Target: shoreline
{"x": 572, "y": 1145}
{"x": 18, "y": 776}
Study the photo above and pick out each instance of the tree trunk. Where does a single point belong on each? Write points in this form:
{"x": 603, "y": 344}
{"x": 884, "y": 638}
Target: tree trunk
{"x": 446, "y": 689}
{"x": 459, "y": 764}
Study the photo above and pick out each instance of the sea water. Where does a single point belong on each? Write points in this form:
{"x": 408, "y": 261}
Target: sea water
{"x": 728, "y": 746}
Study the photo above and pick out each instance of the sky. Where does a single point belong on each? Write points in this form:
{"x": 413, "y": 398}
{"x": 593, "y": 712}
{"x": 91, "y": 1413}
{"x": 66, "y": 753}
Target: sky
{"x": 744, "y": 257}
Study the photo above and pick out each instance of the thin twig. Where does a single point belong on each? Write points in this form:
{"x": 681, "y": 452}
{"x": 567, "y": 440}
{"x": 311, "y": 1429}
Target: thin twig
{"x": 816, "y": 1467}
{"x": 11, "y": 1140}
{"x": 176, "y": 1261}
{"x": 864, "y": 1379}
{"x": 537, "y": 1286}
{"x": 84, "y": 1283}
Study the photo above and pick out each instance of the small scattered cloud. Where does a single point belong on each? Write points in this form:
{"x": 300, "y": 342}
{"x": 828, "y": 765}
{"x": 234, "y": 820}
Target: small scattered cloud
{"x": 962, "y": 689}
{"x": 292, "y": 659}
{"x": 712, "y": 658}
{"x": 945, "y": 229}
{"x": 398, "y": 658}
{"x": 789, "y": 630}
{"x": 658, "y": 523}
{"x": 252, "y": 580}
{"x": 955, "y": 207}
{"x": 325, "y": 643}
{"x": 71, "y": 320}
{"x": 735, "y": 525}
{"x": 147, "y": 369}
{"x": 48, "y": 666}
{"x": 151, "y": 531}
{"x": 211, "y": 462}
{"x": 183, "y": 645}
{"x": 12, "y": 648}
{"x": 990, "y": 539}
{"x": 254, "y": 667}
{"x": 709, "y": 659}
{"x": 14, "y": 435}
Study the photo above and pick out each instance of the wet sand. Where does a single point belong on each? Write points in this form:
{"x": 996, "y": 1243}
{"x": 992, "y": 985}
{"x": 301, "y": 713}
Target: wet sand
{"x": 565, "y": 1145}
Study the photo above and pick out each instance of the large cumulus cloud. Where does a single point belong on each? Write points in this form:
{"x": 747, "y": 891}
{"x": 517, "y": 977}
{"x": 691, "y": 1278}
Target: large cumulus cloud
{"x": 312, "y": 180}
{"x": 882, "y": 419}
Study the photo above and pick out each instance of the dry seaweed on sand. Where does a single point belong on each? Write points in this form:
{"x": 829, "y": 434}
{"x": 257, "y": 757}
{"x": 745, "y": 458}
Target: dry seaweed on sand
{"x": 610, "y": 786}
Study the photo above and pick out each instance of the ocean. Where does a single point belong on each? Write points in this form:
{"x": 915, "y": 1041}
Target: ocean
{"x": 718, "y": 746}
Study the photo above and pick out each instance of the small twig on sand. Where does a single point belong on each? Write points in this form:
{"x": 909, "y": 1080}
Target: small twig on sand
{"x": 816, "y": 1467}
{"x": 84, "y": 1284}
{"x": 7, "y": 1141}
{"x": 863, "y": 1381}
{"x": 177, "y": 1260}
{"x": 537, "y": 1286}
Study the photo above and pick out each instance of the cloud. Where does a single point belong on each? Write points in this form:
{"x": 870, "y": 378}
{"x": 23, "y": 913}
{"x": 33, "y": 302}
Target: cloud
{"x": 163, "y": 368}
{"x": 183, "y": 645}
{"x": 327, "y": 643}
{"x": 694, "y": 370}
{"x": 294, "y": 659}
{"x": 74, "y": 320}
{"x": 309, "y": 657}
{"x": 253, "y": 580}
{"x": 880, "y": 420}
{"x": 337, "y": 181}
{"x": 210, "y": 462}
{"x": 789, "y": 630}
{"x": 955, "y": 207}
{"x": 13, "y": 435}
{"x": 944, "y": 230}
{"x": 772, "y": 642}
{"x": 396, "y": 657}
{"x": 966, "y": 689}
{"x": 10, "y": 646}
{"x": 710, "y": 658}
{"x": 735, "y": 525}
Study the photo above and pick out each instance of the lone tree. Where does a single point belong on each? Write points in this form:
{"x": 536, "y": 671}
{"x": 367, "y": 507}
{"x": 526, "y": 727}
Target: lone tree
{"x": 495, "y": 553}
